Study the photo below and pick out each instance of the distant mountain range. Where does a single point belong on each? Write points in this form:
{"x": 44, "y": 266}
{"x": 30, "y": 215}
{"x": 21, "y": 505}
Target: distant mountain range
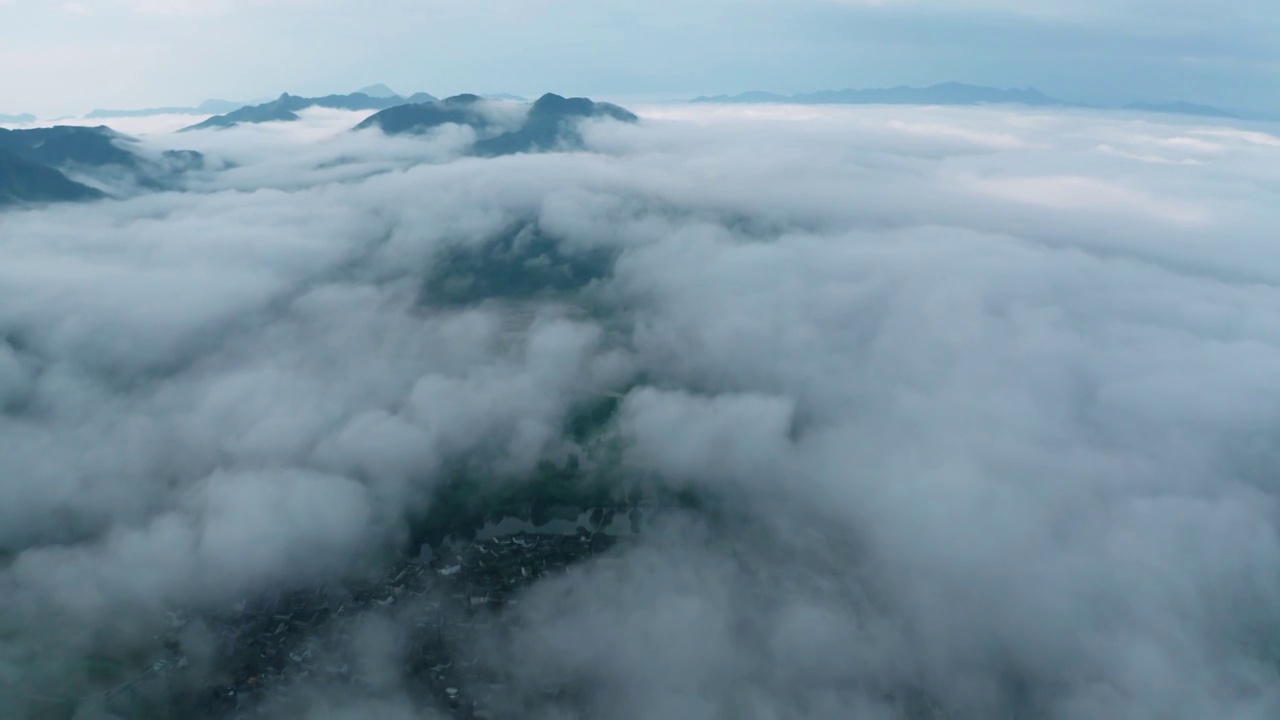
{"x": 549, "y": 124}
{"x": 382, "y": 96}
{"x": 34, "y": 164}
{"x": 205, "y": 108}
{"x": 286, "y": 107}
{"x": 944, "y": 94}
{"x": 64, "y": 163}
{"x": 1186, "y": 108}
{"x": 962, "y": 94}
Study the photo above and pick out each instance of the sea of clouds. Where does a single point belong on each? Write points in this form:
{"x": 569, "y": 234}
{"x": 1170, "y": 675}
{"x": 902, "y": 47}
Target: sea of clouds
{"x": 998, "y": 389}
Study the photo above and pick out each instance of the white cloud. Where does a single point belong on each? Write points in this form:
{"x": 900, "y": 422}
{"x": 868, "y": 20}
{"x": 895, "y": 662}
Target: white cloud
{"x": 998, "y": 404}
{"x": 1078, "y": 193}
{"x": 1251, "y": 137}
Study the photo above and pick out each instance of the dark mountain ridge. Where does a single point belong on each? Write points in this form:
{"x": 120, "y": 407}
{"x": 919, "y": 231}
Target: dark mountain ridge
{"x": 24, "y": 181}
{"x": 550, "y": 123}
{"x": 412, "y": 118}
{"x": 34, "y": 163}
{"x": 69, "y": 145}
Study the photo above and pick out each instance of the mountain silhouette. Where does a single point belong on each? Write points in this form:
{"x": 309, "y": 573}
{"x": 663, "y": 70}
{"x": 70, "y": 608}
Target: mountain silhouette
{"x": 551, "y": 122}
{"x": 65, "y": 145}
{"x": 23, "y": 181}
{"x": 22, "y": 118}
{"x": 286, "y": 108}
{"x": 36, "y": 160}
{"x": 421, "y": 117}
{"x": 377, "y": 91}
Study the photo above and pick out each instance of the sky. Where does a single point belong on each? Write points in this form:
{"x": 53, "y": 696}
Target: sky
{"x": 993, "y": 388}
{"x": 79, "y": 55}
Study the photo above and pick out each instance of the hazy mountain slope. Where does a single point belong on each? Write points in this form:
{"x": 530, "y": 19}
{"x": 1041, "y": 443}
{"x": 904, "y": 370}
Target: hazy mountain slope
{"x": 378, "y": 90}
{"x": 205, "y": 108}
{"x": 98, "y": 154}
{"x": 286, "y": 108}
{"x": 24, "y": 181}
{"x": 66, "y": 144}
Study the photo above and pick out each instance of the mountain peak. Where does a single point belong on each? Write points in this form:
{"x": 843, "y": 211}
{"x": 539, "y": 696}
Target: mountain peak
{"x": 463, "y": 99}
{"x": 378, "y": 90}
{"x": 551, "y": 122}
{"x": 553, "y": 105}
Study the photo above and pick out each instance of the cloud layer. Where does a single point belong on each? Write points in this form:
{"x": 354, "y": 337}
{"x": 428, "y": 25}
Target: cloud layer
{"x": 990, "y": 396}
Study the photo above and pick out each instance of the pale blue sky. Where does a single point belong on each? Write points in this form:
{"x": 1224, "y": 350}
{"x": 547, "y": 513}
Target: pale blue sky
{"x": 69, "y": 57}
